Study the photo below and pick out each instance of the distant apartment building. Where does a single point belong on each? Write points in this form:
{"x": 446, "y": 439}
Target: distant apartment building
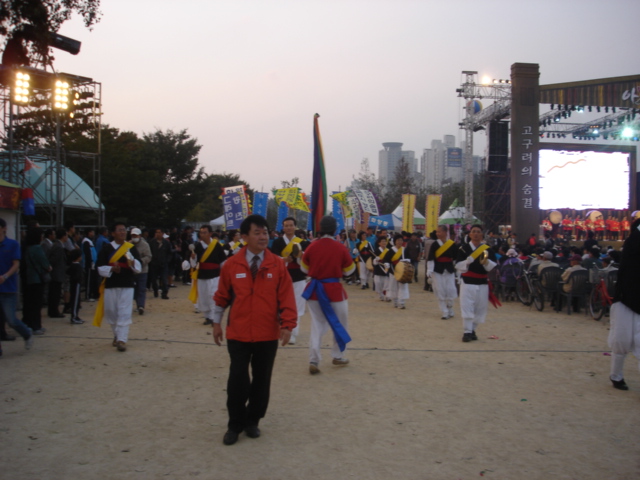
{"x": 443, "y": 163}
{"x": 389, "y": 157}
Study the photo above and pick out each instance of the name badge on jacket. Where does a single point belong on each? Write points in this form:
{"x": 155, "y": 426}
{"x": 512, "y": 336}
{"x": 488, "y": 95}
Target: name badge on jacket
{"x": 241, "y": 275}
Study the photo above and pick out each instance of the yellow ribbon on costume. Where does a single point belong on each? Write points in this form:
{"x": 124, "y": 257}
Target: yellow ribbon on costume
{"x": 193, "y": 294}
{"x": 478, "y": 251}
{"x": 286, "y": 251}
{"x": 362, "y": 245}
{"x": 445, "y": 246}
{"x": 397, "y": 255}
{"x": 97, "y": 317}
{"x": 382, "y": 254}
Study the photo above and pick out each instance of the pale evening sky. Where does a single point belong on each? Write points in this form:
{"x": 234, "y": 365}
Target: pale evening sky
{"x": 246, "y": 77}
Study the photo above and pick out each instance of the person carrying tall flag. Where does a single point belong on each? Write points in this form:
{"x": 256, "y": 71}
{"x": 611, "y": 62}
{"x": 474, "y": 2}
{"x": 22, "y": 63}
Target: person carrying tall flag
{"x": 364, "y": 253}
{"x": 326, "y": 261}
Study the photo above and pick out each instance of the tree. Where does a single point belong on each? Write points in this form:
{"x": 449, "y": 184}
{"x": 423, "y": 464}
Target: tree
{"x": 211, "y": 206}
{"x": 366, "y": 180}
{"x": 404, "y": 181}
{"x": 28, "y": 25}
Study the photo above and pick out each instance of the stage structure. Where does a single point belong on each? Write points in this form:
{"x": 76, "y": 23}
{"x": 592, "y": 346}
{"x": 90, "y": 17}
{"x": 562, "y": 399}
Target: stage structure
{"x": 37, "y": 109}
{"x": 519, "y": 99}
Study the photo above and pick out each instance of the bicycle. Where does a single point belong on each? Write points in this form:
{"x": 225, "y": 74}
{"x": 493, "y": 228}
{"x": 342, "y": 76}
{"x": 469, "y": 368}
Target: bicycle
{"x": 599, "y": 299}
{"x": 528, "y": 291}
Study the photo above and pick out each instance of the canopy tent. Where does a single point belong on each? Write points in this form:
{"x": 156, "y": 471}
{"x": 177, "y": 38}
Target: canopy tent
{"x": 74, "y": 191}
{"x": 416, "y": 214}
{"x": 455, "y": 214}
{"x": 217, "y": 222}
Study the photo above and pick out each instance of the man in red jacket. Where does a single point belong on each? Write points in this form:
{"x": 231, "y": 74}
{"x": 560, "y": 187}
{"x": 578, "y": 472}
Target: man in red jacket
{"x": 258, "y": 286}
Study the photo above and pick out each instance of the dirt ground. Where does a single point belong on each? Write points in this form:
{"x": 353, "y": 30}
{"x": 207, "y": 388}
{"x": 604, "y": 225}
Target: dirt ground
{"x": 415, "y": 402}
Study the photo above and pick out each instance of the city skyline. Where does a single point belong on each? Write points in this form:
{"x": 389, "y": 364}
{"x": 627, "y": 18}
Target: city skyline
{"x": 246, "y": 78}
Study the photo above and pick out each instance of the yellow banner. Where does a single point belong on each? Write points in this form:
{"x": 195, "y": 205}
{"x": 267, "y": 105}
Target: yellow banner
{"x": 341, "y": 197}
{"x": 292, "y": 198}
{"x": 432, "y": 212}
{"x": 408, "y": 207}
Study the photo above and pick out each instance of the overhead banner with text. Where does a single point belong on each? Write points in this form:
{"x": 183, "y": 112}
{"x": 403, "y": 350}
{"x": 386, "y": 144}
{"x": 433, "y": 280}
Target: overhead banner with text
{"x": 367, "y": 201}
{"x": 408, "y": 207}
{"x": 233, "y": 213}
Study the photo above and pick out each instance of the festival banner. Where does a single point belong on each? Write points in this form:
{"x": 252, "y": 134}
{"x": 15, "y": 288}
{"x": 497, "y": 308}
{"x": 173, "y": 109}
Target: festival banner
{"x": 28, "y": 205}
{"x": 367, "y": 201}
{"x": 233, "y": 210}
{"x": 283, "y": 212}
{"x": 292, "y": 197}
{"x": 408, "y": 207}
{"x": 310, "y": 217}
{"x": 354, "y": 206}
{"x": 9, "y": 197}
{"x": 242, "y": 195}
{"x": 260, "y": 200}
{"x": 301, "y": 204}
{"x": 319, "y": 181}
{"x": 432, "y": 212}
{"x": 337, "y": 213}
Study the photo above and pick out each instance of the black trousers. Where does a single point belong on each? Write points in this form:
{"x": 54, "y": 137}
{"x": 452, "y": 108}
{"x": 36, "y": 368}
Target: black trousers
{"x": 32, "y": 305}
{"x": 248, "y": 398}
{"x": 55, "y": 292}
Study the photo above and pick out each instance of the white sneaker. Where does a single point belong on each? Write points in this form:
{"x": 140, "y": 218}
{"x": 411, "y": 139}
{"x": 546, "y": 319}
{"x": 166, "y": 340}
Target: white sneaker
{"x": 292, "y": 340}
{"x": 340, "y": 361}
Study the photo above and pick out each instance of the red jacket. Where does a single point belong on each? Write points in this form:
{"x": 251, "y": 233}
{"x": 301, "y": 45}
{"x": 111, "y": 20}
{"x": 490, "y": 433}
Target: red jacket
{"x": 260, "y": 307}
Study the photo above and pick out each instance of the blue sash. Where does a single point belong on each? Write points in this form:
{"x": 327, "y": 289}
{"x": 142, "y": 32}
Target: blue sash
{"x": 339, "y": 332}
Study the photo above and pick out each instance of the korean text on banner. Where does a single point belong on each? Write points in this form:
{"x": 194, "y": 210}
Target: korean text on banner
{"x": 233, "y": 212}
{"x": 408, "y": 207}
{"x": 432, "y": 212}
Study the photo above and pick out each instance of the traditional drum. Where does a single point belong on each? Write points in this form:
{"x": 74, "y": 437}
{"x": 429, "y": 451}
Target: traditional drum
{"x": 296, "y": 250}
{"x": 555, "y": 217}
{"x": 403, "y": 272}
{"x": 370, "y": 264}
{"x": 594, "y": 215}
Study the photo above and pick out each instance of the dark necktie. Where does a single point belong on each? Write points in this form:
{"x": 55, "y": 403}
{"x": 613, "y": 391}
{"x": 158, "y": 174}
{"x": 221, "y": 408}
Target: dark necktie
{"x": 254, "y": 265}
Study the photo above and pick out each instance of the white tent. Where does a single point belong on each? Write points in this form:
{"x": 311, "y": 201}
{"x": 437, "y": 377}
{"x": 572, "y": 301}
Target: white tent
{"x": 398, "y": 213}
{"x": 456, "y": 214}
{"x": 217, "y": 222}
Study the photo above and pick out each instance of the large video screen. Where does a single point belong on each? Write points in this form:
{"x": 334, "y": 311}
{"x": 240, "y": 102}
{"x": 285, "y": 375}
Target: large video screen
{"x": 583, "y": 179}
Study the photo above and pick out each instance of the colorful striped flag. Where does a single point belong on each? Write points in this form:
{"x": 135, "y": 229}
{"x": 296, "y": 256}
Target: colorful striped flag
{"x": 319, "y": 183}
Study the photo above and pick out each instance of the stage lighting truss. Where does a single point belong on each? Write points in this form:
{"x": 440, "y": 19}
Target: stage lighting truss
{"x": 608, "y": 127}
{"x": 44, "y": 99}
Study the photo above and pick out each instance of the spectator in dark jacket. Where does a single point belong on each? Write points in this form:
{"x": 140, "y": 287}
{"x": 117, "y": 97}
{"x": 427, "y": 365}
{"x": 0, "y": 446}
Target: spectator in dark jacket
{"x": 58, "y": 261}
{"x": 159, "y": 265}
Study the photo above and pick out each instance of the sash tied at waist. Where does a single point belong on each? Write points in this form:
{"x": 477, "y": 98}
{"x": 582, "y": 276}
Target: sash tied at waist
{"x": 474, "y": 275}
{"x": 444, "y": 259}
{"x": 317, "y": 286}
{"x": 208, "y": 266}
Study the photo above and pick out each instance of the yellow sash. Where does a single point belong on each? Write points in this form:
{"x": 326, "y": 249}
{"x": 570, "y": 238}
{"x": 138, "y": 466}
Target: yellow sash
{"x": 236, "y": 245}
{"x": 383, "y": 253}
{"x": 97, "y": 317}
{"x": 363, "y": 245}
{"x": 476, "y": 253}
{"x": 193, "y": 294}
{"x": 397, "y": 255}
{"x": 286, "y": 251}
{"x": 445, "y": 246}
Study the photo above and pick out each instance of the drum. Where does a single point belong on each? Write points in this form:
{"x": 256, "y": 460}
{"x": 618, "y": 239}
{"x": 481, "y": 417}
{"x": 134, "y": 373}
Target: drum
{"x": 403, "y": 272}
{"x": 555, "y": 216}
{"x": 296, "y": 250}
{"x": 594, "y": 215}
{"x": 370, "y": 264}
{"x": 635, "y": 215}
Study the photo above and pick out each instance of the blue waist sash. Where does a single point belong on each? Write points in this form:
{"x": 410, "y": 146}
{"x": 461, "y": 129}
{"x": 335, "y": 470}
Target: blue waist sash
{"x": 317, "y": 286}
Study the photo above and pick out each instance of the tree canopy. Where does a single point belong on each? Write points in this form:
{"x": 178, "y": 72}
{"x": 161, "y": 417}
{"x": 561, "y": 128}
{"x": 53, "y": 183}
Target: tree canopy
{"x": 28, "y": 25}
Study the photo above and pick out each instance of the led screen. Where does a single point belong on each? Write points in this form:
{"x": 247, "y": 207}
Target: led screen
{"x": 583, "y": 180}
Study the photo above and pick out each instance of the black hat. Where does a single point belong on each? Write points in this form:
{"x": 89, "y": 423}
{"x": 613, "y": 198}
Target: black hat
{"x": 328, "y": 225}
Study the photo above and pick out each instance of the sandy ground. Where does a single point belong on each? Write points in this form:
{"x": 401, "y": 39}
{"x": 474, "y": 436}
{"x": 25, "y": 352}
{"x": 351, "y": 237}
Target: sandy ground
{"x": 414, "y": 403}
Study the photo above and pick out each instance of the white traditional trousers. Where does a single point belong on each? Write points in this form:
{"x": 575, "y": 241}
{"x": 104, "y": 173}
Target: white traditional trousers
{"x": 381, "y": 285}
{"x": 444, "y": 284}
{"x": 118, "y": 303}
{"x": 398, "y": 292}
{"x": 301, "y": 304}
{"x": 320, "y": 325}
{"x": 474, "y": 301}
{"x": 624, "y": 337}
{"x": 365, "y": 275}
{"x": 206, "y": 291}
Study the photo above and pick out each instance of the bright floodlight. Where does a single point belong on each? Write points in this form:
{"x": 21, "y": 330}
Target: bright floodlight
{"x": 21, "y": 89}
{"x": 627, "y": 132}
{"x": 61, "y": 96}
{"x": 486, "y": 80}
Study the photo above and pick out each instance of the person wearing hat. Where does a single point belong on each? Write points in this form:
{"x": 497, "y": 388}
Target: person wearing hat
{"x": 144, "y": 250}
{"x": 326, "y": 261}
{"x": 546, "y": 261}
{"x": 624, "y": 334}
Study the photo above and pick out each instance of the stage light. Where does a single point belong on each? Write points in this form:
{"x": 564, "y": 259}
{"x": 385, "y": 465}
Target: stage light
{"x": 495, "y": 81}
{"x": 580, "y": 109}
{"x": 627, "y": 133}
{"x": 21, "y": 88}
{"x": 595, "y": 131}
{"x": 589, "y": 108}
{"x": 61, "y": 96}
{"x": 486, "y": 80}
{"x": 606, "y": 109}
{"x": 613, "y": 109}
{"x": 598, "y": 109}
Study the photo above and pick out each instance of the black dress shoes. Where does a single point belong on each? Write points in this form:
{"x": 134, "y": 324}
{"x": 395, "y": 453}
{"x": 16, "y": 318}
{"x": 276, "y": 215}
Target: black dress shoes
{"x": 230, "y": 437}
{"x": 620, "y": 384}
{"x": 466, "y": 337}
{"x": 252, "y": 431}
{"x": 473, "y": 335}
